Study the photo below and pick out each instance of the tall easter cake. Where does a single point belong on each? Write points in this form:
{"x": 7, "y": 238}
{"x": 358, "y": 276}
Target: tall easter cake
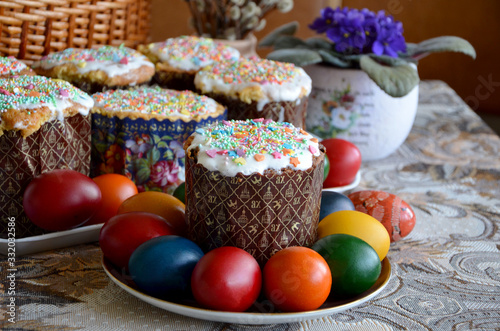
{"x": 95, "y": 70}
{"x": 177, "y": 60}
{"x": 44, "y": 125}
{"x": 258, "y": 88}
{"x": 254, "y": 184}
{"x": 140, "y": 132}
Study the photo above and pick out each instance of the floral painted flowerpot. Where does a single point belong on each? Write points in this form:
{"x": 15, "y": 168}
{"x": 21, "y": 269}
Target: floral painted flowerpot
{"x": 347, "y": 104}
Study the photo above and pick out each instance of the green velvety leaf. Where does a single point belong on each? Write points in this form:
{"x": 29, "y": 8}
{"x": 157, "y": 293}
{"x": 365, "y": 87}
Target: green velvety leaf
{"x": 397, "y": 81}
{"x": 390, "y": 61}
{"x": 288, "y": 29}
{"x": 410, "y": 48}
{"x": 283, "y": 42}
{"x": 443, "y": 44}
{"x": 330, "y": 58}
{"x": 318, "y": 43}
{"x": 300, "y": 57}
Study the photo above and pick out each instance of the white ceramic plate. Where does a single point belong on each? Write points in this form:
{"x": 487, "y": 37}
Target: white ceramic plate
{"x": 342, "y": 189}
{"x": 54, "y": 240}
{"x": 189, "y": 308}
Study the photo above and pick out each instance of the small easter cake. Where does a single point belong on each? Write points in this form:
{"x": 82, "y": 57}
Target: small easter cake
{"x": 11, "y": 67}
{"x": 44, "y": 125}
{"x": 178, "y": 59}
{"x": 258, "y": 88}
{"x": 96, "y": 70}
{"x": 255, "y": 184}
{"x": 140, "y": 133}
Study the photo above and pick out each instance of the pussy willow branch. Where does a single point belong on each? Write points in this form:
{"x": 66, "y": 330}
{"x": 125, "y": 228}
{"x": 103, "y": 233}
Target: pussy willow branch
{"x": 214, "y": 21}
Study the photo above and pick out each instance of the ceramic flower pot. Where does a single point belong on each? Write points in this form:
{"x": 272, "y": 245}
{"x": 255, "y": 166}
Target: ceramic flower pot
{"x": 347, "y": 104}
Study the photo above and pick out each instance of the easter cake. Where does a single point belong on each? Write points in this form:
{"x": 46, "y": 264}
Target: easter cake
{"x": 258, "y": 88}
{"x": 140, "y": 133}
{"x": 95, "y": 70}
{"x": 44, "y": 125}
{"x": 177, "y": 60}
{"x": 255, "y": 184}
{"x": 11, "y": 67}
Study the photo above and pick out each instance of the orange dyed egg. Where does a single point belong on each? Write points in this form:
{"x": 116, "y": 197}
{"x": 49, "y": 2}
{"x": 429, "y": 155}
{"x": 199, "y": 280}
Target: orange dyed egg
{"x": 394, "y": 213}
{"x": 161, "y": 204}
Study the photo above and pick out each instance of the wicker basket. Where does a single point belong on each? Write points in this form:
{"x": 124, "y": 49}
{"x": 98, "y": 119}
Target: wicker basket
{"x": 30, "y": 29}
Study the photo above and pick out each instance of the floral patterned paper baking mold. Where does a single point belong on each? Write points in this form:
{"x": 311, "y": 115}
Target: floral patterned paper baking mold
{"x": 149, "y": 152}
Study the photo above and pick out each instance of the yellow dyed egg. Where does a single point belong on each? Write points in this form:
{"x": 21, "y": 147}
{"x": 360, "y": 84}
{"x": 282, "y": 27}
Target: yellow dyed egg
{"x": 359, "y": 225}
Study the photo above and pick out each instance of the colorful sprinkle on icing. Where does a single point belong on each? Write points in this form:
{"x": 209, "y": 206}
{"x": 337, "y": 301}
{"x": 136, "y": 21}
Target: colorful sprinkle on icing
{"x": 155, "y": 100}
{"x": 261, "y": 71}
{"x": 192, "y": 53}
{"x": 258, "y": 80}
{"x": 112, "y": 60}
{"x": 36, "y": 91}
{"x": 102, "y": 54}
{"x": 10, "y": 66}
{"x": 253, "y": 146}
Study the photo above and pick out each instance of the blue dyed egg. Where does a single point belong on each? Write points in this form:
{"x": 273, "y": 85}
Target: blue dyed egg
{"x": 162, "y": 266}
{"x": 332, "y": 202}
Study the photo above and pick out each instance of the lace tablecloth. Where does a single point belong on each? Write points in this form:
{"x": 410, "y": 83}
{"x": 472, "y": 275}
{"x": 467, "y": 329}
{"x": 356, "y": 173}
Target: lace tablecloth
{"x": 445, "y": 274}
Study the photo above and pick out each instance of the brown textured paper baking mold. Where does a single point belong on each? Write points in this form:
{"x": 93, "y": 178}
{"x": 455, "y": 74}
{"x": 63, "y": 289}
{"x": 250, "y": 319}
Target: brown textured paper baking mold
{"x": 53, "y": 146}
{"x": 261, "y": 214}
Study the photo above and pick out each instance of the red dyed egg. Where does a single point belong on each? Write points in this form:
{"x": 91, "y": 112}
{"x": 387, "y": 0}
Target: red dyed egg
{"x": 394, "y": 213}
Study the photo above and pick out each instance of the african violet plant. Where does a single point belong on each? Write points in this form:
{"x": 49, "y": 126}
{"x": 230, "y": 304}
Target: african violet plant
{"x": 363, "y": 39}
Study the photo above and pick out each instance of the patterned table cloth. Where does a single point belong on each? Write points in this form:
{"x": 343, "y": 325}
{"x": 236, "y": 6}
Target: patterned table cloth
{"x": 445, "y": 274}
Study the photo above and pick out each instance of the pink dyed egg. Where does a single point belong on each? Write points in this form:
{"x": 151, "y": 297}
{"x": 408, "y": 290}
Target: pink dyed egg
{"x": 394, "y": 213}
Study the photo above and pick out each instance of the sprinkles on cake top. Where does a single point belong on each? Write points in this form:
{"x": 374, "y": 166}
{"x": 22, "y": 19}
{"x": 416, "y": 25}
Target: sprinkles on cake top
{"x": 10, "y": 66}
{"x": 254, "y": 79}
{"x": 253, "y": 146}
{"x": 155, "y": 101}
{"x": 192, "y": 53}
{"x": 110, "y": 59}
{"x": 22, "y": 97}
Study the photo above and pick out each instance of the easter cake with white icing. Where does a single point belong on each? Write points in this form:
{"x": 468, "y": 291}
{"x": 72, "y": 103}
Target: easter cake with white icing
{"x": 44, "y": 125}
{"x": 95, "y": 70}
{"x": 255, "y": 184}
{"x": 177, "y": 60}
{"x": 258, "y": 88}
{"x": 140, "y": 132}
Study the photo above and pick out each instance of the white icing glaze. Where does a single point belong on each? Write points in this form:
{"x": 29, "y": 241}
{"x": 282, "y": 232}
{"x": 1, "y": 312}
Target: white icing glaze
{"x": 49, "y": 96}
{"x": 110, "y": 67}
{"x": 192, "y": 53}
{"x": 226, "y": 165}
{"x": 292, "y": 90}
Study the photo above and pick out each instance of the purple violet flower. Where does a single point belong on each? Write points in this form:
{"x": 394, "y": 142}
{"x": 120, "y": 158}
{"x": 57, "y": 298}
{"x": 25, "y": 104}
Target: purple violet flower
{"x": 355, "y": 31}
{"x": 390, "y": 38}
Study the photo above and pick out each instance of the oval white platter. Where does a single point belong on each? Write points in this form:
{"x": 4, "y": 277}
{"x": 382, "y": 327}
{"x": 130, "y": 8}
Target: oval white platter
{"x": 261, "y": 313}
{"x": 54, "y": 240}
